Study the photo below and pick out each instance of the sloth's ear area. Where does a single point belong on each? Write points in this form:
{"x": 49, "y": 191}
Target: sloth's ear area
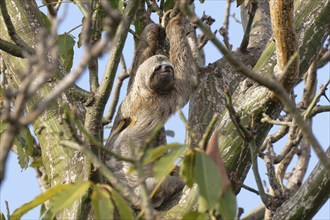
{"x": 124, "y": 123}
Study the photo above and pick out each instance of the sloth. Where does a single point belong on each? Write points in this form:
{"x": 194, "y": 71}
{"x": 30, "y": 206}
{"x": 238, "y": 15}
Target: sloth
{"x": 160, "y": 86}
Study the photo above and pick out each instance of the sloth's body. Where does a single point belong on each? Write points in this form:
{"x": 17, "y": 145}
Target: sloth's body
{"x": 161, "y": 85}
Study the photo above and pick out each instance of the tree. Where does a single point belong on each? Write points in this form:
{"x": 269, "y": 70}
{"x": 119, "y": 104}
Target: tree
{"x": 247, "y": 89}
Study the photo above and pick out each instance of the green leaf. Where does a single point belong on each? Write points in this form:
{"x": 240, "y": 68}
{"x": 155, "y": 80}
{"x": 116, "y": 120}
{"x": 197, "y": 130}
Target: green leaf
{"x": 25, "y": 133}
{"x": 168, "y": 5}
{"x": 209, "y": 182}
{"x": 22, "y": 154}
{"x": 65, "y": 43}
{"x": 46, "y": 21}
{"x": 50, "y": 193}
{"x": 226, "y": 207}
{"x": 101, "y": 203}
{"x": 187, "y": 173}
{"x": 117, "y": 4}
{"x": 154, "y": 153}
{"x": 37, "y": 163}
{"x": 125, "y": 211}
{"x": 67, "y": 197}
{"x": 170, "y": 133}
{"x": 164, "y": 166}
{"x": 195, "y": 216}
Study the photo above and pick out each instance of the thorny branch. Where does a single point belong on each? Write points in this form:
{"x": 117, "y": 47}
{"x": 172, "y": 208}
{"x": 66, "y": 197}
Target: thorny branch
{"x": 224, "y": 29}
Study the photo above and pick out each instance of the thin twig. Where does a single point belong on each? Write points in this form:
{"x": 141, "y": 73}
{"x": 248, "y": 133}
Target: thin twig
{"x": 94, "y": 141}
{"x": 146, "y": 201}
{"x": 188, "y": 127}
{"x": 11, "y": 48}
{"x": 116, "y": 93}
{"x": 67, "y": 81}
{"x": 298, "y": 173}
{"x": 246, "y": 37}
{"x": 272, "y": 85}
{"x": 319, "y": 109}
{"x": 250, "y": 189}
{"x": 274, "y": 183}
{"x": 104, "y": 170}
{"x": 206, "y": 136}
{"x": 81, "y": 7}
{"x": 276, "y": 136}
{"x": 51, "y": 10}
{"x": 224, "y": 29}
{"x": 267, "y": 119}
{"x": 316, "y": 99}
{"x": 7, "y": 210}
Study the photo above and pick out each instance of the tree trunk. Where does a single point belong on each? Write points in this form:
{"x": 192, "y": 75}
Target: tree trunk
{"x": 61, "y": 165}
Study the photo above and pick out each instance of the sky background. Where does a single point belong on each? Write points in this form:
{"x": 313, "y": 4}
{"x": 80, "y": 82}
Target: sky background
{"x": 20, "y": 186}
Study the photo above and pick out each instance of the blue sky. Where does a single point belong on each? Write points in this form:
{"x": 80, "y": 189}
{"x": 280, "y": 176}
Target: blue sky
{"x": 20, "y": 187}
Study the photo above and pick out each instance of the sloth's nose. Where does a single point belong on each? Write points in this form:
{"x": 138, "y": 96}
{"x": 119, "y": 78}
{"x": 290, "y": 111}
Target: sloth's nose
{"x": 163, "y": 68}
{"x": 166, "y": 67}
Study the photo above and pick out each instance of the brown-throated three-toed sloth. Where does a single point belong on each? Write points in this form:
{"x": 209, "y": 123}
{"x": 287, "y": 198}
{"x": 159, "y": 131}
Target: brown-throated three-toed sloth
{"x": 160, "y": 86}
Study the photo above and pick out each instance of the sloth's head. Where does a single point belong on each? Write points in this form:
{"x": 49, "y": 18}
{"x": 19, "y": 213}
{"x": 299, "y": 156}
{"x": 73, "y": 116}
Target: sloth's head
{"x": 156, "y": 74}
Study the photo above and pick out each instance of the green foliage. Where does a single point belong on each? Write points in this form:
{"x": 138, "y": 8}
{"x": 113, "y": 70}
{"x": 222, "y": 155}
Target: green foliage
{"x": 39, "y": 200}
{"x": 101, "y": 203}
{"x": 22, "y": 155}
{"x": 154, "y": 153}
{"x": 24, "y": 147}
{"x": 165, "y": 165}
{"x": 117, "y": 4}
{"x": 65, "y": 43}
{"x": 170, "y": 133}
{"x": 68, "y": 196}
{"x": 37, "y": 163}
{"x": 168, "y": 5}
{"x": 209, "y": 182}
{"x": 227, "y": 204}
{"x": 187, "y": 173}
{"x": 45, "y": 21}
{"x": 214, "y": 196}
{"x": 125, "y": 211}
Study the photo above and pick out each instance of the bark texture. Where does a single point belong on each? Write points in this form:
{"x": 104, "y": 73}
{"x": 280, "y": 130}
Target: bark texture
{"x": 62, "y": 165}
{"x": 250, "y": 99}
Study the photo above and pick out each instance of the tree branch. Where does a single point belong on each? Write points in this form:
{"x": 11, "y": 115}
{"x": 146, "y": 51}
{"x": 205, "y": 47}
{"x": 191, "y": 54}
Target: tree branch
{"x": 281, "y": 13}
{"x": 12, "y": 31}
{"x": 272, "y": 85}
{"x": 11, "y": 48}
{"x": 315, "y": 190}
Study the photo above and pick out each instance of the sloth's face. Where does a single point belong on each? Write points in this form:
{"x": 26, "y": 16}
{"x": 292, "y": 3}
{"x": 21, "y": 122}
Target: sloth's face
{"x": 162, "y": 78}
